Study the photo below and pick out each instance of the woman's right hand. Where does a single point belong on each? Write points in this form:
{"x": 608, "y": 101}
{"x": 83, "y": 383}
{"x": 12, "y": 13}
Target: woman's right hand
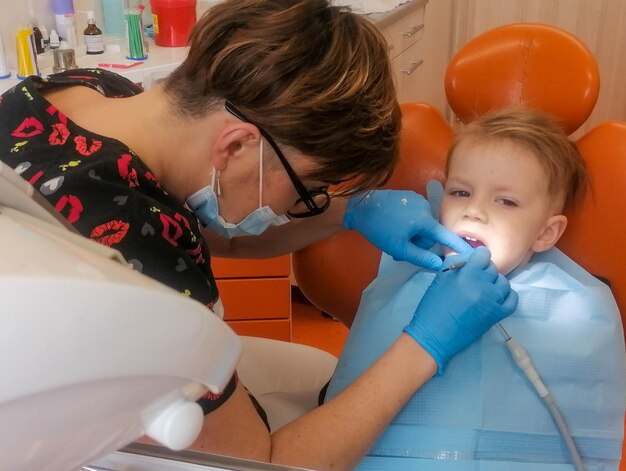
{"x": 460, "y": 306}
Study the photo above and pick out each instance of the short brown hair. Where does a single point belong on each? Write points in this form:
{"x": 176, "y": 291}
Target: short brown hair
{"x": 316, "y": 77}
{"x": 538, "y": 132}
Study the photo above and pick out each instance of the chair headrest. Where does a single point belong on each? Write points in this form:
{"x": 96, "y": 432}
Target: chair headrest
{"x": 524, "y": 64}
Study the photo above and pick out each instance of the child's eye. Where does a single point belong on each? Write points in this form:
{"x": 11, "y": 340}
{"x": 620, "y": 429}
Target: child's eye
{"x": 460, "y": 193}
{"x": 507, "y": 202}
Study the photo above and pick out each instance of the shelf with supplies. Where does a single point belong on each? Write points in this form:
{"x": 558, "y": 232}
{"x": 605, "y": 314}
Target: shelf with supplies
{"x": 160, "y": 62}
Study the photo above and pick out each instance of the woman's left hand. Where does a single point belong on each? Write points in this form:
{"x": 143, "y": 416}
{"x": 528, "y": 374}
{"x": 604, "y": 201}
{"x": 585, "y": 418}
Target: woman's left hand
{"x": 399, "y": 222}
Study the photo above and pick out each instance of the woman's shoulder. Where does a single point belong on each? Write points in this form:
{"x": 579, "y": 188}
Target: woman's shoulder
{"x": 107, "y": 83}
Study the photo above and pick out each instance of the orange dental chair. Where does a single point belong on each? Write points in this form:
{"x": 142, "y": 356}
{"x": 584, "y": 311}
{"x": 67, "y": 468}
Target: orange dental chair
{"x": 530, "y": 65}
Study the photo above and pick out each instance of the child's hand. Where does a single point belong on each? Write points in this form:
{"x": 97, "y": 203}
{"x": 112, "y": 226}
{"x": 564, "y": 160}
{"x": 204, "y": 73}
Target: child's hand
{"x": 400, "y": 223}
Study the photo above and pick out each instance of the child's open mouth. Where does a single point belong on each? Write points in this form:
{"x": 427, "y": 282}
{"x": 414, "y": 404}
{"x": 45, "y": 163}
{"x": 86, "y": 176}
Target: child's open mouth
{"x": 473, "y": 242}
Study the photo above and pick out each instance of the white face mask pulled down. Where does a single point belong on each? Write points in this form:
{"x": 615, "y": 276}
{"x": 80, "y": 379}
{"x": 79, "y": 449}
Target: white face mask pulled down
{"x": 205, "y": 206}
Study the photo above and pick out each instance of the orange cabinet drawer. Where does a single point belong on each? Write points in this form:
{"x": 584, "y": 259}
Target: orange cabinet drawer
{"x": 279, "y": 329}
{"x": 247, "y": 268}
{"x": 257, "y": 298}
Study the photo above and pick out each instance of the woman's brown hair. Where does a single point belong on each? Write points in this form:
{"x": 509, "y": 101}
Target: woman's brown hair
{"x": 316, "y": 77}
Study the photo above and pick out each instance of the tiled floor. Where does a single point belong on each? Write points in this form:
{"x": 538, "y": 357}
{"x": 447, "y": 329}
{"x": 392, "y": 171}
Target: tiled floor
{"x": 309, "y": 327}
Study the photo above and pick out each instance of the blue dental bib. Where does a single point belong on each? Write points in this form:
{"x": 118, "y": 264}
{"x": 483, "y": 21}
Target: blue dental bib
{"x": 482, "y": 414}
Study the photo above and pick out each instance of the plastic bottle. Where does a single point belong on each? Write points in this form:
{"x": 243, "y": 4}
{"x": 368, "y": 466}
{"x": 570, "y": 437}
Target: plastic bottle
{"x": 113, "y": 12}
{"x": 26, "y": 55}
{"x": 93, "y": 36}
{"x": 4, "y": 70}
{"x": 65, "y": 21}
{"x": 55, "y": 42}
{"x": 172, "y": 21}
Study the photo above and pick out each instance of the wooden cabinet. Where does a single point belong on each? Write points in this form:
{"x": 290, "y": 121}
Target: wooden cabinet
{"x": 256, "y": 295}
{"x": 419, "y": 33}
{"x": 404, "y": 28}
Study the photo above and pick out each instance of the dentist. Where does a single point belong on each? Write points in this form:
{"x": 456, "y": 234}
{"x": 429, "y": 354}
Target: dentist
{"x": 232, "y": 156}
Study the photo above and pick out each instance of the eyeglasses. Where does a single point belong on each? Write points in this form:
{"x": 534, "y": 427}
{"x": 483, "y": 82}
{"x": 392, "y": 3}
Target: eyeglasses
{"x": 311, "y": 202}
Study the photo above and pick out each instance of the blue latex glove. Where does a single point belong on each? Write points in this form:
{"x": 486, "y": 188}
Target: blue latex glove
{"x": 400, "y": 223}
{"x": 460, "y": 306}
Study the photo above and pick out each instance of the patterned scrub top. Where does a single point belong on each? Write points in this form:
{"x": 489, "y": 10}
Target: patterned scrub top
{"x": 103, "y": 188}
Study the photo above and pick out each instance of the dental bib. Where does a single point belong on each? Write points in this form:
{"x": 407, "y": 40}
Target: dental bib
{"x": 482, "y": 413}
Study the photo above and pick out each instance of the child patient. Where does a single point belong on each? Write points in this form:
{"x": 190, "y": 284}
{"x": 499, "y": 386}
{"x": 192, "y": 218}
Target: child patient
{"x": 509, "y": 176}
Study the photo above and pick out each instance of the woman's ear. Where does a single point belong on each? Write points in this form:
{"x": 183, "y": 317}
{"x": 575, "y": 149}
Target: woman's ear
{"x": 231, "y": 140}
{"x": 550, "y": 234}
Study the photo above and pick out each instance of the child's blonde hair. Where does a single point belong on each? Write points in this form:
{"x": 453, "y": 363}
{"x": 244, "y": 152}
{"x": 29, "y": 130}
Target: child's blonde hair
{"x": 538, "y": 132}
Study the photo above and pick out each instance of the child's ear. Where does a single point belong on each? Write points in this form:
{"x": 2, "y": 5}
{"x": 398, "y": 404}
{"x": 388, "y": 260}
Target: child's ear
{"x": 551, "y": 233}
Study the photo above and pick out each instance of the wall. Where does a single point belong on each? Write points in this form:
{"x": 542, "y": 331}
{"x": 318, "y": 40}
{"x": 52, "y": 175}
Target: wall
{"x": 600, "y": 24}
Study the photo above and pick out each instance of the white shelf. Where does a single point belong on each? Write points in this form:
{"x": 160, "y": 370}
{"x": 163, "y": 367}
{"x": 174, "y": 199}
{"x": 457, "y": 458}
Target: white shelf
{"x": 160, "y": 62}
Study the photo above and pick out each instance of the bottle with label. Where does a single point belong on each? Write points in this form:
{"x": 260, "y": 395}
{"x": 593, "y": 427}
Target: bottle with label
{"x": 93, "y": 36}
{"x": 34, "y": 25}
{"x": 37, "y": 37}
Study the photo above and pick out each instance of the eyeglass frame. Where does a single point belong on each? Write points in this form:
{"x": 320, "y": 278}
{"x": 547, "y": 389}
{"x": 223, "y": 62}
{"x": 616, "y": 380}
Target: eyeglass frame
{"x": 306, "y": 196}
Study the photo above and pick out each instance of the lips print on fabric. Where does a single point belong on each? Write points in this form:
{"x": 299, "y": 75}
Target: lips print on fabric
{"x": 171, "y": 229}
{"x": 127, "y": 173}
{"x": 30, "y": 127}
{"x": 72, "y": 204}
{"x": 35, "y": 178}
{"x": 196, "y": 254}
{"x": 52, "y": 110}
{"x": 150, "y": 176}
{"x": 59, "y": 134}
{"x": 110, "y": 233}
{"x": 83, "y": 148}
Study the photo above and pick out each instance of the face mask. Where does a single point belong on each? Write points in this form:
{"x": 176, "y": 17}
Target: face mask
{"x": 204, "y": 205}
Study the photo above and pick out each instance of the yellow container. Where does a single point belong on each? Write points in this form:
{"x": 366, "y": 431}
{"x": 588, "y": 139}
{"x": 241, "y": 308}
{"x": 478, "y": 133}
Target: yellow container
{"x": 26, "y": 55}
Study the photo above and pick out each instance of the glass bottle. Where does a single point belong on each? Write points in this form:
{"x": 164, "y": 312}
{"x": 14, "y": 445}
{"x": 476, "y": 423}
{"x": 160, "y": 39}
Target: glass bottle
{"x": 93, "y": 36}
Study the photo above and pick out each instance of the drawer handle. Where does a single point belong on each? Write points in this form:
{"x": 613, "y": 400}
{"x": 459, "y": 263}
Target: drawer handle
{"x": 414, "y": 66}
{"x": 414, "y": 30}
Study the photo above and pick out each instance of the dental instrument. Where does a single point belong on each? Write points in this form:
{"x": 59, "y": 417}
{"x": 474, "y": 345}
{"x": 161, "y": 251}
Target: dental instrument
{"x": 522, "y": 360}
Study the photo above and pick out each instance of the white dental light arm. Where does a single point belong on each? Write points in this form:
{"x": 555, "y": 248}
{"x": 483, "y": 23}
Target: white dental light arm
{"x": 93, "y": 354}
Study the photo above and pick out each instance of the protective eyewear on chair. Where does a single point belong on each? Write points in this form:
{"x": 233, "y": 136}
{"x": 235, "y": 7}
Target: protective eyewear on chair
{"x": 311, "y": 202}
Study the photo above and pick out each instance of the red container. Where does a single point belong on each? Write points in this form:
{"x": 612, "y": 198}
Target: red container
{"x": 172, "y": 21}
